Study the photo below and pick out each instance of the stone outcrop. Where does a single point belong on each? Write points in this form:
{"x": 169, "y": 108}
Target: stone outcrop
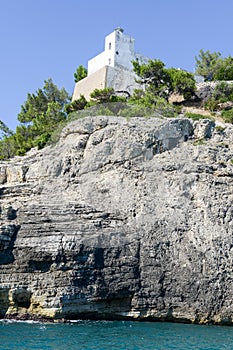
{"x": 205, "y": 90}
{"x": 122, "y": 219}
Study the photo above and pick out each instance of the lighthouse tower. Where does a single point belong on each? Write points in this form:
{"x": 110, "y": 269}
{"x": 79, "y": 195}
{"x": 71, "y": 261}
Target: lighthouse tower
{"x": 119, "y": 51}
{"x": 112, "y": 67}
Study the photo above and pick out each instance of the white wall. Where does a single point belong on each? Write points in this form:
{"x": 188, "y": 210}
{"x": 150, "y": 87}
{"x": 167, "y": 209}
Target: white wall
{"x": 96, "y": 63}
{"x": 124, "y": 52}
{"x": 105, "y": 58}
{"x": 110, "y": 41}
{"x": 119, "y": 51}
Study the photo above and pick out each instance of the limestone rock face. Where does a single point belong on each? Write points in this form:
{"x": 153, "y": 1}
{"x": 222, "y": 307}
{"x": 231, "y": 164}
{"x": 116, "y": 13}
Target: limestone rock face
{"x": 121, "y": 219}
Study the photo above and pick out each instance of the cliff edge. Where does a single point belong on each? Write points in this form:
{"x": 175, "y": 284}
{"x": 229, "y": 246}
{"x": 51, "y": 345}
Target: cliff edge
{"x": 122, "y": 219}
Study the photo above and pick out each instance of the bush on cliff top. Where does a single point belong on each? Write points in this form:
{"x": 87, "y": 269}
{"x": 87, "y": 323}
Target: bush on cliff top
{"x": 162, "y": 81}
{"x": 227, "y": 116}
{"x": 41, "y": 113}
{"x": 212, "y": 66}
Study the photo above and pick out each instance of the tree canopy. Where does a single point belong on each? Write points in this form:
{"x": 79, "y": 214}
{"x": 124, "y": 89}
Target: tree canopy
{"x": 153, "y": 76}
{"x": 105, "y": 96}
{"x": 181, "y": 82}
{"x": 212, "y": 66}
{"x": 41, "y": 112}
{"x": 80, "y": 73}
{"x": 224, "y": 70}
{"x": 162, "y": 81}
{"x": 39, "y": 116}
{"x": 4, "y": 130}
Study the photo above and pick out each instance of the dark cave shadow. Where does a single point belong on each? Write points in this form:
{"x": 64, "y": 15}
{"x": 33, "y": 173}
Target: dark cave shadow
{"x": 6, "y": 255}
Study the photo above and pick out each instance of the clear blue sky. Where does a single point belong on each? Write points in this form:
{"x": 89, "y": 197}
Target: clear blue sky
{"x": 51, "y": 38}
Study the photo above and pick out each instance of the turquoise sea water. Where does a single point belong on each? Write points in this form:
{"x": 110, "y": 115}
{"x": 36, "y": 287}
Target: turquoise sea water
{"x": 103, "y": 335}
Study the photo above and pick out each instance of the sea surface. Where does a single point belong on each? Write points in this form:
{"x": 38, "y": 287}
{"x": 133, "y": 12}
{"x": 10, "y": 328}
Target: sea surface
{"x": 103, "y": 335}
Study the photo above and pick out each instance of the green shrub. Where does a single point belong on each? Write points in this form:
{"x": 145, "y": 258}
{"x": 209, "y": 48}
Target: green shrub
{"x": 227, "y": 116}
{"x": 131, "y": 111}
{"x": 8, "y": 147}
{"x": 106, "y": 95}
{"x": 102, "y": 110}
{"x": 223, "y": 92}
{"x": 76, "y": 105}
{"x": 41, "y": 140}
{"x": 211, "y": 105}
{"x": 195, "y": 116}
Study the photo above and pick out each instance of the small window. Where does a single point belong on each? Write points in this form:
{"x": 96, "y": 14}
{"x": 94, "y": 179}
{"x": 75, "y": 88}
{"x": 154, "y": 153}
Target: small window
{"x": 109, "y": 46}
{"x": 109, "y": 61}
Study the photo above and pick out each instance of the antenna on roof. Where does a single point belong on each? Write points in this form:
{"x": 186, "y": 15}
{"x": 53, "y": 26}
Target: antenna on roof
{"x": 120, "y": 29}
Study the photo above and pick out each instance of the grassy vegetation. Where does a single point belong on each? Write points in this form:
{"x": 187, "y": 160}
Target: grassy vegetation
{"x": 227, "y": 116}
{"x": 199, "y": 142}
{"x": 195, "y": 116}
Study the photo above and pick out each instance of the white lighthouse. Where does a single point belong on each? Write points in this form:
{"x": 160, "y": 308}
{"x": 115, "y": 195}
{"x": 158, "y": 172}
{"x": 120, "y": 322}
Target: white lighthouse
{"x": 112, "y": 67}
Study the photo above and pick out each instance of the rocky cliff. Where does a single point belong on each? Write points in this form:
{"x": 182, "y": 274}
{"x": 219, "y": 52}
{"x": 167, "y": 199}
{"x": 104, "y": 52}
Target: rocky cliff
{"x": 121, "y": 219}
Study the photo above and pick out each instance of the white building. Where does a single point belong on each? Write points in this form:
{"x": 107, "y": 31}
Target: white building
{"x": 112, "y": 67}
